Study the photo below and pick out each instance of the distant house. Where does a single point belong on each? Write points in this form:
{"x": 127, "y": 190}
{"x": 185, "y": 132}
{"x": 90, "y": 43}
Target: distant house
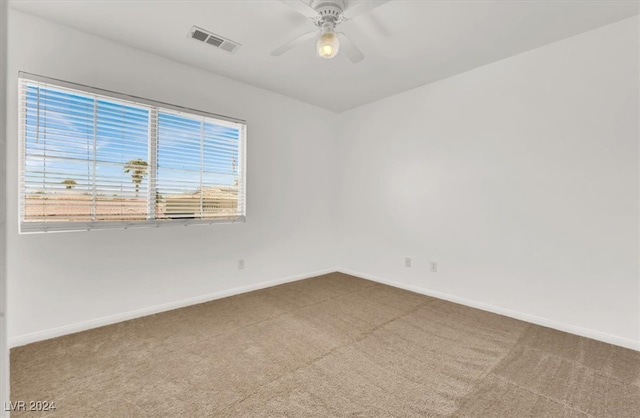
{"x": 217, "y": 203}
{"x": 210, "y": 202}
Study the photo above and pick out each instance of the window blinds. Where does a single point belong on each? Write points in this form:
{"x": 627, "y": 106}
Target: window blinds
{"x": 93, "y": 159}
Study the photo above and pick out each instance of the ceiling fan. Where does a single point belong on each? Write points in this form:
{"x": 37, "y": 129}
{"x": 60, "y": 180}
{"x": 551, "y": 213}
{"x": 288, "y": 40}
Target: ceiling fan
{"x": 327, "y": 15}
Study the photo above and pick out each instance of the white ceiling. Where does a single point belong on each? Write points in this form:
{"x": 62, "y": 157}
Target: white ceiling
{"x": 407, "y": 43}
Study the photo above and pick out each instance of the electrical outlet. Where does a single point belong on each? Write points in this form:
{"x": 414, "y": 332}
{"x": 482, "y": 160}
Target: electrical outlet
{"x": 407, "y": 262}
{"x": 241, "y": 264}
{"x": 434, "y": 266}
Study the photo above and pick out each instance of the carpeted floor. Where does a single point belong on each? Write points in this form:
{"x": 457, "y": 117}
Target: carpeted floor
{"x": 330, "y": 346}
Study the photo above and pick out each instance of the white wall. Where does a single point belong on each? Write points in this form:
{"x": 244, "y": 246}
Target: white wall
{"x": 4, "y": 351}
{"x": 520, "y": 178}
{"x": 58, "y": 280}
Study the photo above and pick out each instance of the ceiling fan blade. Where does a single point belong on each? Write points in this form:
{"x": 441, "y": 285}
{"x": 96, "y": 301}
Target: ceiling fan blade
{"x": 301, "y": 7}
{"x": 294, "y": 43}
{"x": 356, "y": 8}
{"x": 353, "y": 52}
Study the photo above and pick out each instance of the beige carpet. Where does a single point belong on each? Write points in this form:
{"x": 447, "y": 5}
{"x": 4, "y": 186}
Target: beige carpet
{"x": 331, "y": 346}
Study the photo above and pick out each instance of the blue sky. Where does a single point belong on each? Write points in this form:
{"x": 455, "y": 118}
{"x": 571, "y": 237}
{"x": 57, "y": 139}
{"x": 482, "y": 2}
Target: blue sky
{"x": 60, "y": 140}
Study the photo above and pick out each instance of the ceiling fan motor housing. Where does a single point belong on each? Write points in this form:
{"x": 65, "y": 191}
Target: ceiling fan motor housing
{"x": 329, "y": 11}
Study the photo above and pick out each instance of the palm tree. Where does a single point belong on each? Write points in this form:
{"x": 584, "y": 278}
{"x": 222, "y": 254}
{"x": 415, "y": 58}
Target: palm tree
{"x": 138, "y": 169}
{"x": 69, "y": 183}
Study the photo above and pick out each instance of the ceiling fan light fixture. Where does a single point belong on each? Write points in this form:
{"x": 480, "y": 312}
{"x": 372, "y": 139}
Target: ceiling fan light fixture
{"x": 328, "y": 44}
{"x": 327, "y": 15}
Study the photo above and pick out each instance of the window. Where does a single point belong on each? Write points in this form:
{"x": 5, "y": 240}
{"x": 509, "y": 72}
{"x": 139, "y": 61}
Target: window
{"x": 93, "y": 159}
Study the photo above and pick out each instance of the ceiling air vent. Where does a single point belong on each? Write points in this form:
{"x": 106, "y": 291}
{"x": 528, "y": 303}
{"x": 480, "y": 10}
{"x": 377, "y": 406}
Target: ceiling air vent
{"x": 212, "y": 39}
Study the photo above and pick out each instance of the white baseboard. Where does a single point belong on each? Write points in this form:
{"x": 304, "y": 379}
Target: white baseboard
{"x": 112, "y": 319}
{"x": 545, "y": 322}
{"x": 99, "y": 322}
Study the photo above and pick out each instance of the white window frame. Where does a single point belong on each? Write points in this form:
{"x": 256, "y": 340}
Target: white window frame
{"x": 26, "y": 227}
